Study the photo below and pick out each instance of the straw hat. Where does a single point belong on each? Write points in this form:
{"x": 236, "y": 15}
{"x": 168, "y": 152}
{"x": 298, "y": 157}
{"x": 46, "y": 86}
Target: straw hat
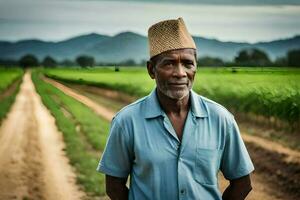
{"x": 169, "y": 35}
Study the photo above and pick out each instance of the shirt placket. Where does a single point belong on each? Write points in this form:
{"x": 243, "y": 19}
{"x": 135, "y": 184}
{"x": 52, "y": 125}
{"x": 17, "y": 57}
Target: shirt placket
{"x": 187, "y": 132}
{"x": 168, "y": 126}
{"x": 187, "y": 137}
{"x": 181, "y": 176}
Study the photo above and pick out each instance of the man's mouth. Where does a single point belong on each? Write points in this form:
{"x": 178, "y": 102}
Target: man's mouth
{"x": 178, "y": 83}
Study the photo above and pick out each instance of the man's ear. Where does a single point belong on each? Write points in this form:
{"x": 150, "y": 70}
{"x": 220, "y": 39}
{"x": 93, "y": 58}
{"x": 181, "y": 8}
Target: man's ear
{"x": 150, "y": 68}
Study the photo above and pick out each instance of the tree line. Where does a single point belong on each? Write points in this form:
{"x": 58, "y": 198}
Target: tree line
{"x": 255, "y": 58}
{"x": 246, "y": 57}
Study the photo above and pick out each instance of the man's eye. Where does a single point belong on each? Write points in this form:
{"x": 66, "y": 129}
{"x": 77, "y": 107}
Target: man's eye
{"x": 168, "y": 64}
{"x": 189, "y": 64}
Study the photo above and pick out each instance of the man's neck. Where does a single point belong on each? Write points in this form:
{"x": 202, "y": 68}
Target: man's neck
{"x": 173, "y": 106}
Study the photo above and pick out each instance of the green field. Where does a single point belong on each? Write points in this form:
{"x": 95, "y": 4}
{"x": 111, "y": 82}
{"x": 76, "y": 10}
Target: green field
{"x": 271, "y": 92}
{"x": 84, "y": 133}
{"x": 8, "y": 77}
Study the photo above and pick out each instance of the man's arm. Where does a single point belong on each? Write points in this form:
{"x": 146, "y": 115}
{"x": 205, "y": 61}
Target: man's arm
{"x": 116, "y": 188}
{"x": 238, "y": 189}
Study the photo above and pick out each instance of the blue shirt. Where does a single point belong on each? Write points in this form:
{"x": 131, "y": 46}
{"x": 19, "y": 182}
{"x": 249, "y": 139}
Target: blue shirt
{"x": 143, "y": 144}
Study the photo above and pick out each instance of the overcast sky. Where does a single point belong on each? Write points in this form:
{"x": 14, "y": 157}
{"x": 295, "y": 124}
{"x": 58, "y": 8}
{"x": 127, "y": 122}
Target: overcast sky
{"x": 55, "y": 20}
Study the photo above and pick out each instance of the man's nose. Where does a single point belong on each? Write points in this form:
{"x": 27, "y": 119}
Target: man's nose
{"x": 179, "y": 70}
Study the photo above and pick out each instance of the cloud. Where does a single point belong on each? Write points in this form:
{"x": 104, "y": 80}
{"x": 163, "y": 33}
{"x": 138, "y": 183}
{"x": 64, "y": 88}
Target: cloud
{"x": 215, "y": 2}
{"x": 61, "y": 19}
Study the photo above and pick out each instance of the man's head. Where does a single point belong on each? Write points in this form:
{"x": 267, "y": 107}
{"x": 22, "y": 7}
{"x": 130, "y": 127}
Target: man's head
{"x": 172, "y": 58}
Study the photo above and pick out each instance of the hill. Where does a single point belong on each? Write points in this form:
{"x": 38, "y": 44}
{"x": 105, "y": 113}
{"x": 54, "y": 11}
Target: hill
{"x": 128, "y": 45}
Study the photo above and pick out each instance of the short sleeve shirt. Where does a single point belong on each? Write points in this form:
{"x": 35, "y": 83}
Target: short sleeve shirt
{"x": 143, "y": 144}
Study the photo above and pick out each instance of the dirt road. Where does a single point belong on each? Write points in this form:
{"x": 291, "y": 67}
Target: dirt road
{"x": 32, "y": 163}
{"x": 263, "y": 187}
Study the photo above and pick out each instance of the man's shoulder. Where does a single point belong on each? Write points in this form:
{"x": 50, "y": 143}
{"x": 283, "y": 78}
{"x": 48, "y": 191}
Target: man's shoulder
{"x": 213, "y": 108}
{"x": 213, "y": 104}
{"x": 131, "y": 110}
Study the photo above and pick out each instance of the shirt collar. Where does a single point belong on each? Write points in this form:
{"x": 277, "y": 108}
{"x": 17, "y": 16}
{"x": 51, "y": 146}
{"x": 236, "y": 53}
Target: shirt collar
{"x": 197, "y": 105}
{"x": 152, "y": 106}
{"x": 153, "y": 109}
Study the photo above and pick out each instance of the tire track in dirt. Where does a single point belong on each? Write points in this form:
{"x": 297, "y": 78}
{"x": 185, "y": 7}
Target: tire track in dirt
{"x": 32, "y": 162}
{"x": 262, "y": 188}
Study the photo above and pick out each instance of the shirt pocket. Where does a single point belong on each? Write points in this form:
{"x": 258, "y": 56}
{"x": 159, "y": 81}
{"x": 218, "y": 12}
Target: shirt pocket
{"x": 206, "y": 166}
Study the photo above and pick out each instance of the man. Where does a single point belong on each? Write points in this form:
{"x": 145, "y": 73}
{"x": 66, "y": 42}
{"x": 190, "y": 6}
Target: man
{"x": 173, "y": 142}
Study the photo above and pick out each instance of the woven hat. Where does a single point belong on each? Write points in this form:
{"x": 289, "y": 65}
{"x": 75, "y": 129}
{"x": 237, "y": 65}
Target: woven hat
{"x": 169, "y": 35}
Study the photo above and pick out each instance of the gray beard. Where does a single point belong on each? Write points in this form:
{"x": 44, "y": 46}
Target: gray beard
{"x": 175, "y": 94}
{"x": 178, "y": 95}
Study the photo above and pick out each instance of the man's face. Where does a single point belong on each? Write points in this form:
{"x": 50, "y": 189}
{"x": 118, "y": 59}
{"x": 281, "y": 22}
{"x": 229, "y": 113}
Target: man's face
{"x": 174, "y": 72}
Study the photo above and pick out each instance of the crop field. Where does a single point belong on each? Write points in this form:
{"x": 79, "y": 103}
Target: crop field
{"x": 8, "y": 76}
{"x": 9, "y": 84}
{"x": 271, "y": 92}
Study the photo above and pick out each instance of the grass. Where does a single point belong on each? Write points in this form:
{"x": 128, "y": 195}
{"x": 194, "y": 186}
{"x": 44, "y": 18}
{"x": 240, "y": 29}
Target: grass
{"x": 271, "y": 92}
{"x": 8, "y": 77}
{"x": 84, "y": 133}
{"x": 133, "y": 81}
{"x": 7, "y": 102}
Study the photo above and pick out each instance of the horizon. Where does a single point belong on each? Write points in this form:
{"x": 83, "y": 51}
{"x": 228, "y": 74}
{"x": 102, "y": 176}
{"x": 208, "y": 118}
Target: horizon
{"x": 91, "y": 33}
{"x": 64, "y": 19}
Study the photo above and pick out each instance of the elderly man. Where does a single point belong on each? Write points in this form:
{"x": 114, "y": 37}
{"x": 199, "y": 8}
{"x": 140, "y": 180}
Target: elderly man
{"x": 174, "y": 142}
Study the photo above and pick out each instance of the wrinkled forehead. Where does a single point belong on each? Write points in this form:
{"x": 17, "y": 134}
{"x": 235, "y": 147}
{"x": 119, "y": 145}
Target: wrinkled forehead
{"x": 189, "y": 54}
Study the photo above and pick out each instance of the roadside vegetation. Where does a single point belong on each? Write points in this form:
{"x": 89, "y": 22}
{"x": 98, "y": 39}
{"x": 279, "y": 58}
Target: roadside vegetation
{"x": 84, "y": 133}
{"x": 10, "y": 80}
{"x": 270, "y": 92}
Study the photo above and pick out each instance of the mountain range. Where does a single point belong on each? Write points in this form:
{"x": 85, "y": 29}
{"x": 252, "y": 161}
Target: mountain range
{"x": 129, "y": 45}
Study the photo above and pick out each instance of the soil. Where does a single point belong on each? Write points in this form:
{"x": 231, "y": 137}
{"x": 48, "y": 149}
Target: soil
{"x": 33, "y": 164}
{"x": 279, "y": 132}
{"x": 277, "y": 172}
